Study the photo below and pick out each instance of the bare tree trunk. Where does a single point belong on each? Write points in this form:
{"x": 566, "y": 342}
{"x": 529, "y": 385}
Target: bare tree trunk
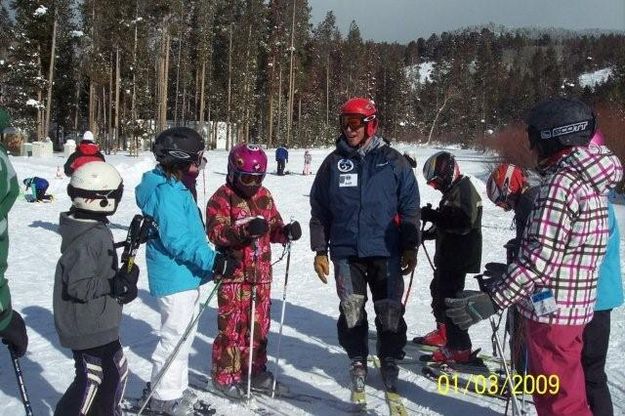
{"x": 202, "y": 78}
{"x": 40, "y": 107}
{"x": 448, "y": 95}
{"x": 109, "y": 125}
{"x": 116, "y": 137}
{"x": 279, "y": 123}
{"x": 163, "y": 69}
{"x": 271, "y": 94}
{"x": 228, "y": 146}
{"x": 46, "y": 124}
{"x": 327, "y": 91}
{"x": 289, "y": 113}
{"x": 92, "y": 106}
{"x": 177, "y": 80}
{"x": 105, "y": 122}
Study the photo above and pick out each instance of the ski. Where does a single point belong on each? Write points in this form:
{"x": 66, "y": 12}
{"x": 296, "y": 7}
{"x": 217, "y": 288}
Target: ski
{"x": 359, "y": 400}
{"x": 132, "y": 406}
{"x": 393, "y": 398}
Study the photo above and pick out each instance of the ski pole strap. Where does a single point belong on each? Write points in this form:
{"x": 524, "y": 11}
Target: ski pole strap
{"x": 20, "y": 382}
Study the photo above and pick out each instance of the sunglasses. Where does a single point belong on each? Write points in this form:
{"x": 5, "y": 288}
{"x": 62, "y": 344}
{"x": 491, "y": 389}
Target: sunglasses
{"x": 251, "y": 180}
{"x": 354, "y": 121}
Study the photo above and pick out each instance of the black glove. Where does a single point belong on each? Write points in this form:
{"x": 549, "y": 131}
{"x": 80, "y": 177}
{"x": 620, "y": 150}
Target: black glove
{"x": 124, "y": 284}
{"x": 15, "y": 336}
{"x": 429, "y": 234}
{"x": 512, "y": 249}
{"x": 495, "y": 270}
{"x": 428, "y": 214}
{"x": 256, "y": 227}
{"x": 224, "y": 265}
{"x": 470, "y": 308}
{"x": 293, "y": 231}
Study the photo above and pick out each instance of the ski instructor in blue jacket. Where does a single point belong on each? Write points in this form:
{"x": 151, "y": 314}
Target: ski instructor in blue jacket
{"x": 365, "y": 211}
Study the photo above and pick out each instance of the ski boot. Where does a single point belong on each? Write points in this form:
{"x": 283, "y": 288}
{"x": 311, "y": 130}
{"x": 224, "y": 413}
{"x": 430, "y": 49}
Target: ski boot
{"x": 435, "y": 338}
{"x": 234, "y": 391}
{"x": 358, "y": 374}
{"x": 390, "y": 372}
{"x": 263, "y": 383}
{"x": 446, "y": 355}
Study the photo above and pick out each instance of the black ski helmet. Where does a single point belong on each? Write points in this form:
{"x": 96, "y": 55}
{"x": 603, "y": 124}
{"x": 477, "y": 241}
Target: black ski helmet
{"x": 441, "y": 170}
{"x": 560, "y": 122}
{"x": 178, "y": 146}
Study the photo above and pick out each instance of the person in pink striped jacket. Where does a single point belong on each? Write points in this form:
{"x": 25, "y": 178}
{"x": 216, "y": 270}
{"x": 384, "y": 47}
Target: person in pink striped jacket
{"x": 554, "y": 278}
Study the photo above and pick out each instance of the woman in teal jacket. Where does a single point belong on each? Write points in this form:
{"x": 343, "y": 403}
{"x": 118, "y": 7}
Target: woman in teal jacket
{"x": 179, "y": 260}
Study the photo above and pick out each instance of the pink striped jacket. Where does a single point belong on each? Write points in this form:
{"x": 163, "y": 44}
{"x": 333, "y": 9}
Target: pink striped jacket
{"x": 565, "y": 238}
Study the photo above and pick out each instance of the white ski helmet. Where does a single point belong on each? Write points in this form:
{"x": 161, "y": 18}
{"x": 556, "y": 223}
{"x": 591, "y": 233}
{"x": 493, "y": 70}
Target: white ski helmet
{"x": 96, "y": 187}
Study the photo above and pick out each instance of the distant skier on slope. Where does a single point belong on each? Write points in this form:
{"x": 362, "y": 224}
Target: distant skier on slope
{"x": 89, "y": 291}
{"x": 242, "y": 218}
{"x": 86, "y": 151}
{"x": 37, "y": 187}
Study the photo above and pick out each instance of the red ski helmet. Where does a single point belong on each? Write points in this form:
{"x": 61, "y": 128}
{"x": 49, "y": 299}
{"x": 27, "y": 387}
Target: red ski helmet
{"x": 358, "y": 111}
{"x": 247, "y": 165}
{"x": 505, "y": 184}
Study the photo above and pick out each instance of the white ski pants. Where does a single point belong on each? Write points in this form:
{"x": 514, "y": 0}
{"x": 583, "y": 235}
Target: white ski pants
{"x": 177, "y": 311}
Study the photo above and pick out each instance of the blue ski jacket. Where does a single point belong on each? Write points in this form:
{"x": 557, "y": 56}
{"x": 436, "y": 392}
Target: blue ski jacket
{"x": 282, "y": 154}
{"x": 610, "y": 285}
{"x": 364, "y": 206}
{"x": 180, "y": 258}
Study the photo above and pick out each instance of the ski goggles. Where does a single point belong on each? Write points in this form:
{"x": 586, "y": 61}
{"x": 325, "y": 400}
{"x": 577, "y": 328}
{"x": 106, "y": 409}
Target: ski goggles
{"x": 354, "y": 121}
{"x": 249, "y": 179}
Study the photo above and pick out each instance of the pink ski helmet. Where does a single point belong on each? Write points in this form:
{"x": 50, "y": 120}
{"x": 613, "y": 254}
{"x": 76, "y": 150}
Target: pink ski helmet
{"x": 247, "y": 165}
{"x": 597, "y": 139}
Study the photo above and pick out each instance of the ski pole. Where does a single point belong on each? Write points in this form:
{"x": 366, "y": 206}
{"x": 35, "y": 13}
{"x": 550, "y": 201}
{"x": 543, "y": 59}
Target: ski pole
{"x": 409, "y": 287}
{"x": 252, "y": 316}
{"x": 286, "y": 280}
{"x": 174, "y": 353}
{"x": 20, "y": 382}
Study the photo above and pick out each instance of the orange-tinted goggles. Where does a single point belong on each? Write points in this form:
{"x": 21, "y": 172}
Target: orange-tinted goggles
{"x": 251, "y": 180}
{"x": 354, "y": 121}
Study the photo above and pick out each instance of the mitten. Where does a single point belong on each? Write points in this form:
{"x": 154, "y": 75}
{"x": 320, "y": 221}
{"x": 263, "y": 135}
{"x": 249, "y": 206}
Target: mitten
{"x": 293, "y": 231}
{"x": 124, "y": 284}
{"x": 408, "y": 260}
{"x": 224, "y": 265}
{"x": 428, "y": 214}
{"x": 256, "y": 227}
{"x": 15, "y": 336}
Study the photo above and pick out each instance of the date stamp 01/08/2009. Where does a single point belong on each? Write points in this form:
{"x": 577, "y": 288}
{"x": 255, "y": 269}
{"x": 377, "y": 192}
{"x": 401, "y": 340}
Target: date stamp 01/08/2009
{"x": 493, "y": 384}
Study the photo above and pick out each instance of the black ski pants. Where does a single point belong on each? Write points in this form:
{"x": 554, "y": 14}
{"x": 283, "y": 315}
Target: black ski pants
{"x": 99, "y": 383}
{"x": 596, "y": 336}
{"x": 383, "y": 277}
{"x": 281, "y": 166}
{"x": 449, "y": 284}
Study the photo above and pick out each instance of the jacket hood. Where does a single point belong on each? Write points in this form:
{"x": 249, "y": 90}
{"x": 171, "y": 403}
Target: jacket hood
{"x": 597, "y": 165}
{"x": 88, "y": 148}
{"x": 71, "y": 228}
{"x": 149, "y": 182}
{"x": 348, "y": 151}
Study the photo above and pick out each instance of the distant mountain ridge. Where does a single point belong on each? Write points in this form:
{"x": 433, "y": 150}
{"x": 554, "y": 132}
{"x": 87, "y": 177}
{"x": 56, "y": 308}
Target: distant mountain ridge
{"x": 535, "y": 32}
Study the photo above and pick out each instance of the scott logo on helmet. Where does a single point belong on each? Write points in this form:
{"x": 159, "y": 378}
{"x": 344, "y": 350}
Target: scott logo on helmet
{"x": 562, "y": 130}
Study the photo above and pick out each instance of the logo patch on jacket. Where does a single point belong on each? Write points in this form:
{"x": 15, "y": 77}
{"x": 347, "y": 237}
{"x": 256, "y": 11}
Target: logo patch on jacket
{"x": 345, "y": 165}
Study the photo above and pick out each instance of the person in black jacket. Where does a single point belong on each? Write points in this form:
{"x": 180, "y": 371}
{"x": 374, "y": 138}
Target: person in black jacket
{"x": 365, "y": 211}
{"x": 457, "y": 228}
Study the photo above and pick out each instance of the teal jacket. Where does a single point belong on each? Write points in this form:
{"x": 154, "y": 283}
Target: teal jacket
{"x": 180, "y": 258}
{"x": 610, "y": 285}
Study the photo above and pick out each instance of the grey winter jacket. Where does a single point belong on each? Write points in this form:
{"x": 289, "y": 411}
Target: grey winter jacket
{"x": 85, "y": 315}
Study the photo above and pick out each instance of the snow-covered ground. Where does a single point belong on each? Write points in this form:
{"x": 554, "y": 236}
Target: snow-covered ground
{"x": 311, "y": 361}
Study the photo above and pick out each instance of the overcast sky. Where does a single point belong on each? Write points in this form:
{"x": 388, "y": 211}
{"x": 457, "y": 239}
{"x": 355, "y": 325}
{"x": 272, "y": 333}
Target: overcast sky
{"x": 405, "y": 20}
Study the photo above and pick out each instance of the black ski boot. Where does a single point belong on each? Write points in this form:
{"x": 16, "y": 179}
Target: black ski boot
{"x": 390, "y": 372}
{"x": 358, "y": 374}
{"x": 263, "y": 383}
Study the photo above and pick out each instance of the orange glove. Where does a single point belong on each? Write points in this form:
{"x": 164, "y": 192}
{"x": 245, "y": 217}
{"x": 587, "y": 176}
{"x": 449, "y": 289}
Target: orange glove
{"x": 408, "y": 261}
{"x": 322, "y": 267}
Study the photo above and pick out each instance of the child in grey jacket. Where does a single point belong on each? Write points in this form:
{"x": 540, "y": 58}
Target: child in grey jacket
{"x": 89, "y": 292}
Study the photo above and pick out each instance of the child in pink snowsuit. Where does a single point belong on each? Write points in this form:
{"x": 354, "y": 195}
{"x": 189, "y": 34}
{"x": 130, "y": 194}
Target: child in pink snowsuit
{"x": 242, "y": 218}
{"x": 307, "y": 162}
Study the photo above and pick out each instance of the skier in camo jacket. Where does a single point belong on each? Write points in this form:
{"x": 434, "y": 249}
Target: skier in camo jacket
{"x": 242, "y": 218}
{"x": 554, "y": 278}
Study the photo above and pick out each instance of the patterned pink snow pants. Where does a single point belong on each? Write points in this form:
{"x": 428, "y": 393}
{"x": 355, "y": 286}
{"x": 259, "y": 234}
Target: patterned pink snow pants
{"x": 231, "y": 347}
